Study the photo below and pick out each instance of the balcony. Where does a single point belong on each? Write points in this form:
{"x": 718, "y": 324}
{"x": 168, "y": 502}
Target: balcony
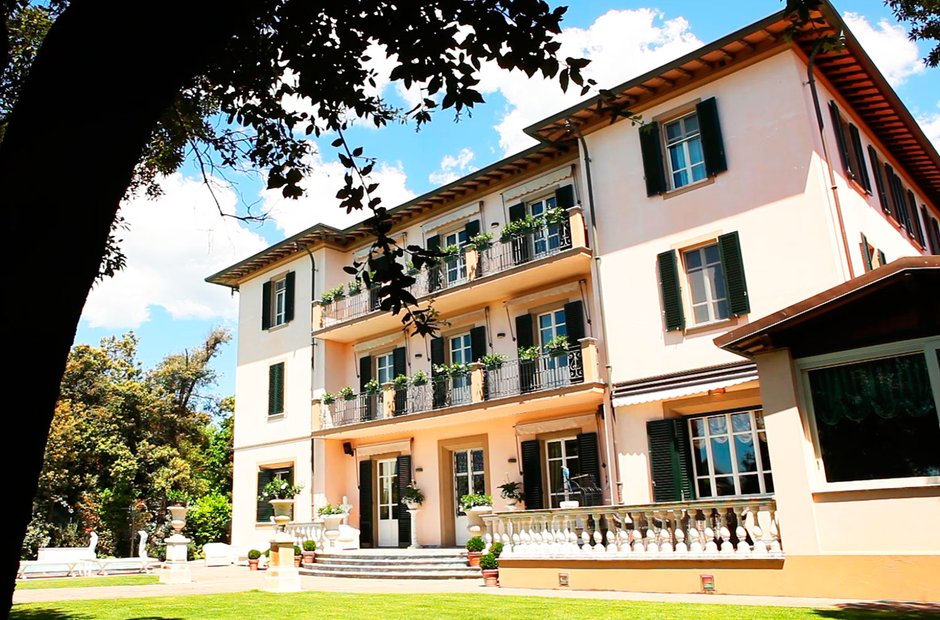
{"x": 717, "y": 529}
{"x": 574, "y": 371}
{"x": 551, "y": 254}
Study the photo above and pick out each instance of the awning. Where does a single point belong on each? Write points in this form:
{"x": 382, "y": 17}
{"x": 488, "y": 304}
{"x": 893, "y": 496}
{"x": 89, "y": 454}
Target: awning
{"x": 403, "y": 446}
{"x": 551, "y": 426}
{"x": 688, "y": 383}
{"x": 552, "y": 178}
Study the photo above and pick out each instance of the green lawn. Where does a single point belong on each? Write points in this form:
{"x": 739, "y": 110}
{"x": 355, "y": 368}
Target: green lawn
{"x": 324, "y": 605}
{"x": 86, "y": 582}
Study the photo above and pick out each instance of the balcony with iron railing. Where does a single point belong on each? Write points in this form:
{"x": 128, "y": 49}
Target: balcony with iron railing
{"x": 473, "y": 385}
{"x": 550, "y": 253}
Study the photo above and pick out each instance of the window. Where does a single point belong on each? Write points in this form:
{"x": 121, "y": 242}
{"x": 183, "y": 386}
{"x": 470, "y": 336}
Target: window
{"x": 277, "y": 303}
{"x": 561, "y": 453}
{"x": 456, "y": 268}
{"x": 453, "y": 271}
{"x": 461, "y": 352}
{"x": 552, "y": 325}
{"x": 548, "y": 238}
{"x": 384, "y": 368}
{"x": 875, "y": 417}
{"x": 264, "y": 511}
{"x": 693, "y": 147}
{"x": 850, "y": 148}
{"x": 729, "y": 454}
{"x": 714, "y": 274}
{"x": 276, "y": 389}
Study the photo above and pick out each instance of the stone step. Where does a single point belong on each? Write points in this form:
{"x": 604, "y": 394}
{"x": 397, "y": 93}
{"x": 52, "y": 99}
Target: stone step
{"x": 392, "y": 574}
{"x": 399, "y": 568}
{"x": 388, "y": 561}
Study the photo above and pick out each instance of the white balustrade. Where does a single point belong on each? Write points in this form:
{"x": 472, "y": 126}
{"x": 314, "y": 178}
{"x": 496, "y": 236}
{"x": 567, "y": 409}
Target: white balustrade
{"x": 307, "y": 531}
{"x": 714, "y": 529}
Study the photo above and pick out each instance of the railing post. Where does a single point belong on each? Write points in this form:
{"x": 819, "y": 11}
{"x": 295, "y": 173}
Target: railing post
{"x": 316, "y": 415}
{"x": 589, "y": 359}
{"x": 388, "y": 399}
{"x": 476, "y": 382}
{"x": 472, "y": 260}
{"x": 576, "y": 225}
{"x": 316, "y": 315}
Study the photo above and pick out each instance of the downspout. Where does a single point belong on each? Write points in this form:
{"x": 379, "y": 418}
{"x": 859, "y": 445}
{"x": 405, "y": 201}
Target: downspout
{"x": 833, "y": 188}
{"x": 610, "y": 438}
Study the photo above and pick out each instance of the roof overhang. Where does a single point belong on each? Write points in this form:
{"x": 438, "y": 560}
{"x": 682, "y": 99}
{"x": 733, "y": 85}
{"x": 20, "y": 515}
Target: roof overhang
{"x": 899, "y": 301}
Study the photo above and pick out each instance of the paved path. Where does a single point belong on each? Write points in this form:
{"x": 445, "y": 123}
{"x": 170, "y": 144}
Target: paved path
{"x": 239, "y": 579}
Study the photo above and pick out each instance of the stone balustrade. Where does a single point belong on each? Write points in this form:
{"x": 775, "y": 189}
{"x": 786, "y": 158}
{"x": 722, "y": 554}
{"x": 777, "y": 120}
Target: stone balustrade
{"x": 307, "y": 531}
{"x": 709, "y": 529}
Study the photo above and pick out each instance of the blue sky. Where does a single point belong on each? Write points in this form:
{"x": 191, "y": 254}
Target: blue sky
{"x": 176, "y": 241}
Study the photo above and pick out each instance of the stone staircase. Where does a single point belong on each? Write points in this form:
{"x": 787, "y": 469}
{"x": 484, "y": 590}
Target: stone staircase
{"x": 393, "y": 564}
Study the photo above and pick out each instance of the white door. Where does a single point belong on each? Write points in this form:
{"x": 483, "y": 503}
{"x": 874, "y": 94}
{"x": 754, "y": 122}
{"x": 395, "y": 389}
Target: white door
{"x": 388, "y": 503}
{"x": 468, "y": 478}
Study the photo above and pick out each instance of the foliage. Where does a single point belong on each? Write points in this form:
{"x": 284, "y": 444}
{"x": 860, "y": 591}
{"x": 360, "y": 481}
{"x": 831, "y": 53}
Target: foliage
{"x": 558, "y": 345}
{"x": 496, "y": 548}
{"x": 511, "y": 490}
{"x": 328, "y": 398}
{"x": 480, "y": 241}
{"x": 492, "y": 361}
{"x": 488, "y": 561}
{"x": 556, "y": 215}
{"x": 419, "y": 378}
{"x": 310, "y": 545}
{"x": 353, "y": 287}
{"x": 279, "y": 488}
{"x": 332, "y": 295}
{"x": 126, "y": 442}
{"x": 924, "y": 16}
{"x": 455, "y": 369}
{"x": 520, "y": 227}
{"x": 412, "y": 494}
{"x": 254, "y": 554}
{"x": 400, "y": 381}
{"x": 297, "y": 550}
{"x": 330, "y": 509}
{"x": 347, "y": 393}
{"x": 472, "y": 500}
{"x": 476, "y": 544}
{"x": 528, "y": 354}
{"x": 372, "y": 387}
{"x": 210, "y": 519}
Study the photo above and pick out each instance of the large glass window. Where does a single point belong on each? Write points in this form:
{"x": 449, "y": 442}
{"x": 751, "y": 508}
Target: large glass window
{"x": 461, "y": 352}
{"x": 456, "y": 268}
{"x": 384, "y": 368}
{"x": 280, "y": 302}
{"x": 551, "y": 325}
{"x": 469, "y": 475}
{"x": 729, "y": 454}
{"x": 560, "y": 453}
{"x": 877, "y": 418}
{"x": 548, "y": 237}
{"x": 707, "y": 289}
{"x": 684, "y": 146}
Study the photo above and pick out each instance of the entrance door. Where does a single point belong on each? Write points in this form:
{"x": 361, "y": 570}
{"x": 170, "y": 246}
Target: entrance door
{"x": 468, "y": 478}
{"x": 388, "y": 503}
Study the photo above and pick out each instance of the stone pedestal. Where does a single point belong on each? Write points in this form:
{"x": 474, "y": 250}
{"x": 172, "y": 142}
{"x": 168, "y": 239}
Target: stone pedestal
{"x": 282, "y": 575}
{"x": 413, "y": 512}
{"x": 176, "y": 567}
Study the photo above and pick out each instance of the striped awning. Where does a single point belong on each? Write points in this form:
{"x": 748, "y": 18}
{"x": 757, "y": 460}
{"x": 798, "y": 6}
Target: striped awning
{"x": 678, "y": 385}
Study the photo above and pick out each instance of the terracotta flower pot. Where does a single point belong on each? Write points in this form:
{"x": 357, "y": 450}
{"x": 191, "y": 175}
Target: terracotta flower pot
{"x": 473, "y": 557}
{"x": 252, "y": 564}
{"x": 491, "y": 577}
{"x": 309, "y": 557}
{"x": 297, "y": 559}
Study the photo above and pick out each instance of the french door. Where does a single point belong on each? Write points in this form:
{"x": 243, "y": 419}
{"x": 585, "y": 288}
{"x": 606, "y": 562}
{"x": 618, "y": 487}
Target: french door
{"x": 469, "y": 477}
{"x": 388, "y": 503}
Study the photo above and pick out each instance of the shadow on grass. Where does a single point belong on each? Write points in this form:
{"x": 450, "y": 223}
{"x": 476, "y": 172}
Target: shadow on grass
{"x": 882, "y": 609}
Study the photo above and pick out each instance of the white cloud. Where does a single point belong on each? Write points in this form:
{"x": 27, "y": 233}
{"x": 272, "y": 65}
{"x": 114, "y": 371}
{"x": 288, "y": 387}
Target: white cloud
{"x": 173, "y": 243}
{"x": 320, "y": 205}
{"x": 895, "y": 55}
{"x": 453, "y": 167}
{"x": 930, "y": 123}
{"x": 621, "y": 45}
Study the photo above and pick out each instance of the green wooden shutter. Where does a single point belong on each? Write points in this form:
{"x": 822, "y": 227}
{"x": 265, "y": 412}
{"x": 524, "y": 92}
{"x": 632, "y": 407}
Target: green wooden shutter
{"x": 266, "y": 305}
{"x": 472, "y": 229}
{"x": 882, "y": 259}
{"x": 671, "y": 291}
{"x": 713, "y": 147}
{"x": 590, "y": 463}
{"x": 564, "y": 196}
{"x": 276, "y": 388}
{"x": 437, "y": 352}
{"x": 866, "y": 253}
{"x": 403, "y": 465}
{"x": 264, "y": 511}
{"x": 934, "y": 233}
{"x": 532, "y": 474}
{"x": 896, "y": 191}
{"x": 438, "y": 388}
{"x": 840, "y": 139}
{"x": 365, "y": 371}
{"x": 434, "y": 271}
{"x": 289, "y": 297}
{"x": 477, "y": 343}
{"x": 367, "y": 400}
{"x": 670, "y": 460}
{"x": 879, "y": 179}
{"x": 861, "y": 175}
{"x": 400, "y": 367}
{"x": 525, "y": 337}
{"x": 729, "y": 247}
{"x": 652, "y": 153}
{"x": 365, "y": 504}
{"x": 915, "y": 221}
{"x": 574, "y": 322}
{"x": 517, "y": 212}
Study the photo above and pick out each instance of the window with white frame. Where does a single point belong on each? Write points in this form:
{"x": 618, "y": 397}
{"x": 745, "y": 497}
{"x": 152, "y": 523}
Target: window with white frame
{"x": 560, "y": 453}
{"x": 686, "y": 159}
{"x": 729, "y": 454}
{"x": 461, "y": 352}
{"x": 279, "y": 316}
{"x": 874, "y": 412}
{"x": 708, "y": 296}
{"x": 548, "y": 237}
{"x": 456, "y": 268}
{"x": 384, "y": 368}
{"x": 553, "y": 325}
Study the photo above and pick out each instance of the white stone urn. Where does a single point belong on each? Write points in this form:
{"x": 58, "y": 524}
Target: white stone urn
{"x": 412, "y": 505}
{"x": 282, "y": 510}
{"x": 178, "y": 517}
{"x": 511, "y": 503}
{"x": 475, "y": 519}
{"x": 331, "y": 525}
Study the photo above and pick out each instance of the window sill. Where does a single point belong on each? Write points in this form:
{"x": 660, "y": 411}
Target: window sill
{"x": 275, "y": 328}
{"x": 855, "y": 486}
{"x": 687, "y": 188}
{"x": 711, "y": 326}
{"x": 276, "y": 417}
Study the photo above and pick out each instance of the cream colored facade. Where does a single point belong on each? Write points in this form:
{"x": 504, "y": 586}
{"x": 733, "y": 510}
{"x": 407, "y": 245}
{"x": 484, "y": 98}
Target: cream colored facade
{"x": 780, "y": 206}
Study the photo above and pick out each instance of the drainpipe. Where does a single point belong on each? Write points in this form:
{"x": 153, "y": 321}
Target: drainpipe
{"x": 833, "y": 188}
{"x": 610, "y": 438}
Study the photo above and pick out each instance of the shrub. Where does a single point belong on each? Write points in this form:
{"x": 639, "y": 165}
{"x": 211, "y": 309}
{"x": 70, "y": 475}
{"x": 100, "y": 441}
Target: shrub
{"x": 254, "y": 554}
{"x": 496, "y": 548}
{"x": 297, "y": 550}
{"x": 475, "y": 544}
{"x": 310, "y": 545}
{"x": 210, "y": 519}
{"x": 488, "y": 561}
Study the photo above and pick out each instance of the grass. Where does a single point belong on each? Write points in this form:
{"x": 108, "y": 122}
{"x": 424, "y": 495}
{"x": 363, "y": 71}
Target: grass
{"x": 86, "y": 582}
{"x": 256, "y": 604}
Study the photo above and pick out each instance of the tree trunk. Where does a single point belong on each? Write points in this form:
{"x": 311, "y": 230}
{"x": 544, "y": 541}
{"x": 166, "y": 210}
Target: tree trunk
{"x": 104, "y": 74}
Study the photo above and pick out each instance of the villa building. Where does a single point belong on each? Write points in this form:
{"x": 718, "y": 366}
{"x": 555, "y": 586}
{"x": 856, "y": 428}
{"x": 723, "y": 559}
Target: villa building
{"x": 767, "y": 173}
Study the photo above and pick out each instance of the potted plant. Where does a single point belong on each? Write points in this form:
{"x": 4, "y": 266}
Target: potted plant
{"x": 511, "y": 491}
{"x": 400, "y": 382}
{"x": 280, "y": 493}
{"x": 412, "y": 497}
{"x": 475, "y": 548}
{"x": 354, "y": 287}
{"x": 309, "y": 552}
{"x": 332, "y": 295}
{"x": 490, "y": 566}
{"x": 557, "y": 346}
{"x": 372, "y": 387}
{"x": 347, "y": 393}
{"x": 556, "y": 215}
{"x": 480, "y": 241}
{"x": 476, "y": 505}
{"x": 297, "y": 556}
{"x": 328, "y": 398}
{"x": 253, "y": 556}
{"x": 528, "y": 354}
{"x": 411, "y": 270}
{"x": 493, "y": 361}
{"x": 419, "y": 378}
{"x": 332, "y": 517}
{"x": 264, "y": 560}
